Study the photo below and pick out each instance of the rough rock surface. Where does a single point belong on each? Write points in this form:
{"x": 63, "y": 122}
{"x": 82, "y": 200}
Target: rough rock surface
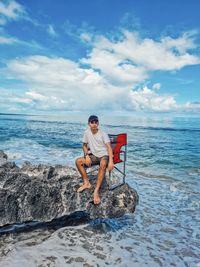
{"x": 43, "y": 192}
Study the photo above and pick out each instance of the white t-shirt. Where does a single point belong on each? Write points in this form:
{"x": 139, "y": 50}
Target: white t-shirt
{"x": 97, "y": 142}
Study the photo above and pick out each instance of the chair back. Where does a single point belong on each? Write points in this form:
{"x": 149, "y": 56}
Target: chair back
{"x": 117, "y": 142}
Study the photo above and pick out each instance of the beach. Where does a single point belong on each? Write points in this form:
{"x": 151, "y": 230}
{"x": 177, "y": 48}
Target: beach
{"x": 162, "y": 165}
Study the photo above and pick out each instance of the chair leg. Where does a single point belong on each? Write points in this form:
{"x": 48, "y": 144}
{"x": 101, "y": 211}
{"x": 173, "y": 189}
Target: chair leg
{"x": 124, "y": 171}
{"x": 109, "y": 180}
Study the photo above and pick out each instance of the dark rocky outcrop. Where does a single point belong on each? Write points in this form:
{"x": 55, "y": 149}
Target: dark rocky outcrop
{"x": 42, "y": 193}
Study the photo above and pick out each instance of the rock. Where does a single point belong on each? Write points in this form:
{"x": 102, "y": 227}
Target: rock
{"x": 42, "y": 193}
{"x": 3, "y": 158}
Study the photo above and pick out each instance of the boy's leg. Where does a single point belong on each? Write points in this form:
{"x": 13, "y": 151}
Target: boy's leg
{"x": 86, "y": 183}
{"x": 101, "y": 173}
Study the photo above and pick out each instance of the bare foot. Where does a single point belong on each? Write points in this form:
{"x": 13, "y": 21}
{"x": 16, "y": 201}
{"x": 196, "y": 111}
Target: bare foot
{"x": 83, "y": 187}
{"x": 97, "y": 198}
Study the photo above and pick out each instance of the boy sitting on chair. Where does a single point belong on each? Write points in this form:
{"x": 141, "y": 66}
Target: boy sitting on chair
{"x": 100, "y": 153}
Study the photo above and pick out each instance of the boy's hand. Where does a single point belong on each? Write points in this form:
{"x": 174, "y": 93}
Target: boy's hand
{"x": 110, "y": 165}
{"x": 88, "y": 160}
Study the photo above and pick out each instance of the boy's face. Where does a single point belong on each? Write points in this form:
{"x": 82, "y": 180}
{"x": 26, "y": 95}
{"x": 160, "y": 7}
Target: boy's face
{"x": 94, "y": 124}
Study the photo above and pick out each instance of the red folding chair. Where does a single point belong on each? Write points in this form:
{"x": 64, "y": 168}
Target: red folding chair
{"x": 119, "y": 147}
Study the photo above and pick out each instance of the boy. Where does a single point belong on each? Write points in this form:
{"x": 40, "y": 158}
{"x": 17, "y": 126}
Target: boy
{"x": 100, "y": 152}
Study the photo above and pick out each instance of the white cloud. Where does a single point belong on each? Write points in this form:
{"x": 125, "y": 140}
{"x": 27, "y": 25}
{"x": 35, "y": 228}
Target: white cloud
{"x": 35, "y": 96}
{"x": 62, "y": 83}
{"x": 84, "y": 32}
{"x": 156, "y": 86}
{"x": 7, "y": 40}
{"x": 181, "y": 44}
{"x": 10, "y": 10}
{"x": 115, "y": 68}
{"x": 107, "y": 78}
{"x": 166, "y": 54}
{"x": 13, "y": 102}
{"x": 86, "y": 37}
{"x": 191, "y": 106}
{"x": 129, "y": 60}
{"x": 148, "y": 99}
{"x": 51, "y": 31}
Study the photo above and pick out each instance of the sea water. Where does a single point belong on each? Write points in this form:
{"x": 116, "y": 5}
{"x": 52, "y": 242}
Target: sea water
{"x": 163, "y": 165}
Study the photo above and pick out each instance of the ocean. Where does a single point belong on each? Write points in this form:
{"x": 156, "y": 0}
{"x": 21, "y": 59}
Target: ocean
{"x": 163, "y": 165}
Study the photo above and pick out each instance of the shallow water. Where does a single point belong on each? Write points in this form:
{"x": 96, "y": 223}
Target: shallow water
{"x": 163, "y": 166}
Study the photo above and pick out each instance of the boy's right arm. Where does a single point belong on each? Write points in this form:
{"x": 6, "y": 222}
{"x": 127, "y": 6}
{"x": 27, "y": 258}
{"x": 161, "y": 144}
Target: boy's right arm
{"x": 86, "y": 156}
{"x": 85, "y": 149}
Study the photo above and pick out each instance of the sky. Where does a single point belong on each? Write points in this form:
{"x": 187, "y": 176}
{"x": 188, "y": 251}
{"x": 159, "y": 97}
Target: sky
{"x": 124, "y": 56}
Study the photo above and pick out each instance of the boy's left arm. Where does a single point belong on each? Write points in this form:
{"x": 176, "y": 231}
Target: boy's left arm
{"x": 110, "y": 154}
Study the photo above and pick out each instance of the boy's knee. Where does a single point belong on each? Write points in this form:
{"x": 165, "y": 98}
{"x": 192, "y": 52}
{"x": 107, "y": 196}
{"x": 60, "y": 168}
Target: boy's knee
{"x": 78, "y": 161}
{"x": 103, "y": 165}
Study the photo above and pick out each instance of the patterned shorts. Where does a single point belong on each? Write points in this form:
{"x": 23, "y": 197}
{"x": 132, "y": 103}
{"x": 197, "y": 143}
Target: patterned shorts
{"x": 96, "y": 160}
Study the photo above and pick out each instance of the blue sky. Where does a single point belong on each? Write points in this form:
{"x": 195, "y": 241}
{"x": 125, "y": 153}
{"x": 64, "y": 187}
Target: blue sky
{"x": 100, "y": 55}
